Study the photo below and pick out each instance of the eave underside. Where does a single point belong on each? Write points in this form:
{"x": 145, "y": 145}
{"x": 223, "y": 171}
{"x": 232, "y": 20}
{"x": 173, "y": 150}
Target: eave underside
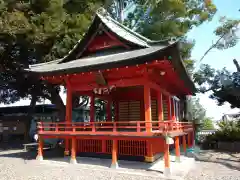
{"x": 121, "y": 60}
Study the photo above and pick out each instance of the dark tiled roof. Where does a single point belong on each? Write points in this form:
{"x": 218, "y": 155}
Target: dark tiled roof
{"x": 102, "y": 61}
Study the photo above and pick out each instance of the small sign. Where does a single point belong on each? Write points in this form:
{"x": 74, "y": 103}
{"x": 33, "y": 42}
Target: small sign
{"x": 15, "y": 128}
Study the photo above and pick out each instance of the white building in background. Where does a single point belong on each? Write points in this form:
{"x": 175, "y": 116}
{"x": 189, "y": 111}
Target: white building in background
{"x": 235, "y": 116}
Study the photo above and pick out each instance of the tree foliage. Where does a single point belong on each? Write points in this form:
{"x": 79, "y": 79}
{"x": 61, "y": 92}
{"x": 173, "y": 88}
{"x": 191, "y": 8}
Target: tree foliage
{"x": 170, "y": 19}
{"x": 207, "y": 124}
{"x": 161, "y": 19}
{"x": 35, "y": 31}
{"x": 227, "y": 33}
{"x": 196, "y": 110}
{"x": 221, "y": 84}
{"x": 229, "y": 130}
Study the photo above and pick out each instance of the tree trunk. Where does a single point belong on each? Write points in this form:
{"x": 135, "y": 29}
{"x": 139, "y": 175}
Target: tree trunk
{"x": 57, "y": 100}
{"x": 30, "y": 117}
{"x": 237, "y": 65}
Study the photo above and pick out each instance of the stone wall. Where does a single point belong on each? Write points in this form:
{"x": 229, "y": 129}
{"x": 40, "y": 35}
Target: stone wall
{"x": 229, "y": 146}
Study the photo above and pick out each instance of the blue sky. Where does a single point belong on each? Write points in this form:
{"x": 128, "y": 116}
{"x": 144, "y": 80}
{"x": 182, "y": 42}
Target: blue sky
{"x": 204, "y": 37}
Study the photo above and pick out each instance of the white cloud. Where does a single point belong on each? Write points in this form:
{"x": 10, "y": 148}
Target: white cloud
{"x": 212, "y": 109}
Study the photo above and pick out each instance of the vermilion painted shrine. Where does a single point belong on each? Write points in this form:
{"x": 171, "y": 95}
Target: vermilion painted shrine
{"x": 144, "y": 80}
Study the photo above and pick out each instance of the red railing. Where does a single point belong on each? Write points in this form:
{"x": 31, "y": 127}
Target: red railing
{"x": 124, "y": 127}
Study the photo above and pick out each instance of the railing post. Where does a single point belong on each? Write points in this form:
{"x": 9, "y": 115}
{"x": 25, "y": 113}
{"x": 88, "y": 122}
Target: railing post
{"x": 56, "y": 128}
{"x": 93, "y": 127}
{"x": 165, "y": 127}
{"x": 114, "y": 127}
{"x": 73, "y": 127}
{"x": 138, "y": 126}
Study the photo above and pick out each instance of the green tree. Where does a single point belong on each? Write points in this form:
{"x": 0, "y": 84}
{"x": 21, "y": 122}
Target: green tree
{"x": 226, "y": 33}
{"x": 196, "y": 110}
{"x": 221, "y": 83}
{"x": 207, "y": 77}
{"x": 35, "y": 31}
{"x": 207, "y": 124}
{"x": 170, "y": 19}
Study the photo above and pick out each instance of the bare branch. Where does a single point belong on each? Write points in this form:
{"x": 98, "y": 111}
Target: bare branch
{"x": 211, "y": 47}
{"x": 236, "y": 64}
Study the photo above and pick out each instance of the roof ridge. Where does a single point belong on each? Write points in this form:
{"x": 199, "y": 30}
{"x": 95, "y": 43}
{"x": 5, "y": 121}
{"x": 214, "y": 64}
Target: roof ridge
{"x": 103, "y": 12}
{"x": 46, "y": 63}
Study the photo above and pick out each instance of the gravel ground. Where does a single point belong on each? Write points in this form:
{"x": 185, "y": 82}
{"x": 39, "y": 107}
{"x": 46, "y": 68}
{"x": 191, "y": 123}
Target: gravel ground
{"x": 212, "y": 165}
{"x": 18, "y": 165}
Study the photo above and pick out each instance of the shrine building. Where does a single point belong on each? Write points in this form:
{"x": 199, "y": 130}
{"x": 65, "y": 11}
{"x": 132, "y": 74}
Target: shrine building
{"x": 144, "y": 83}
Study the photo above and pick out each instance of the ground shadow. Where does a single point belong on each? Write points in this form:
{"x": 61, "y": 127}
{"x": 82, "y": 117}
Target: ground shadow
{"x": 105, "y": 161}
{"x": 18, "y": 152}
{"x": 10, "y": 146}
{"x": 223, "y": 161}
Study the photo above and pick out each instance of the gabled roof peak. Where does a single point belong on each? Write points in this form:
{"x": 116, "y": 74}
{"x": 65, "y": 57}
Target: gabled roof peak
{"x": 103, "y": 14}
{"x": 104, "y": 20}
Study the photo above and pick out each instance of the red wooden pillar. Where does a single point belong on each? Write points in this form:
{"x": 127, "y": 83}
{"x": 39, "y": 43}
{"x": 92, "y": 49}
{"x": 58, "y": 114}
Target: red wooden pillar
{"x": 177, "y": 149}
{"x": 148, "y": 121}
{"x": 147, "y": 108}
{"x": 114, "y": 154}
{"x": 173, "y": 118}
{"x": 73, "y": 151}
{"x": 160, "y": 107}
{"x": 150, "y": 157}
{"x": 189, "y": 140}
{"x": 40, "y": 149}
{"x": 184, "y": 144}
{"x": 68, "y": 113}
{"x": 166, "y": 159}
{"x": 92, "y": 108}
{"x": 173, "y": 110}
{"x": 169, "y": 108}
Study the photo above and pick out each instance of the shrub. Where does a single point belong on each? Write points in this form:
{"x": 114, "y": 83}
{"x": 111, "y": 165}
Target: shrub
{"x": 229, "y": 130}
